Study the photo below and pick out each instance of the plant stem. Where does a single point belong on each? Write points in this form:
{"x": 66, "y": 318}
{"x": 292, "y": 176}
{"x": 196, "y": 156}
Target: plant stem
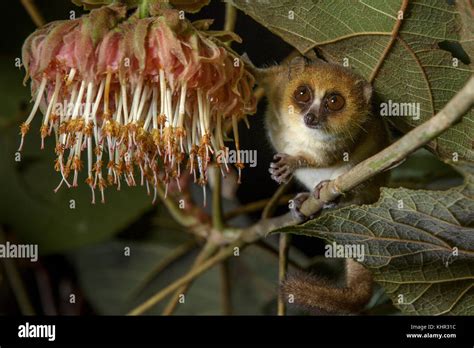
{"x": 276, "y": 253}
{"x": 143, "y": 9}
{"x": 285, "y": 241}
{"x": 175, "y": 211}
{"x": 226, "y": 288}
{"x": 208, "y": 249}
{"x": 230, "y": 16}
{"x": 16, "y": 282}
{"x": 255, "y": 206}
{"x": 394, "y": 36}
{"x": 188, "y": 277}
{"x": 273, "y": 202}
{"x": 173, "y": 256}
{"x": 34, "y": 13}
{"x": 217, "y": 219}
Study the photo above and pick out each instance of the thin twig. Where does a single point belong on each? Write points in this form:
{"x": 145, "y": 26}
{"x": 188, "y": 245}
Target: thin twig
{"x": 190, "y": 276}
{"x": 208, "y": 249}
{"x": 394, "y": 35}
{"x": 255, "y": 206}
{"x": 16, "y": 282}
{"x": 185, "y": 220}
{"x": 230, "y": 16}
{"x": 217, "y": 219}
{"x": 173, "y": 256}
{"x": 226, "y": 288}
{"x": 273, "y": 202}
{"x": 285, "y": 241}
{"x": 34, "y": 13}
{"x": 276, "y": 253}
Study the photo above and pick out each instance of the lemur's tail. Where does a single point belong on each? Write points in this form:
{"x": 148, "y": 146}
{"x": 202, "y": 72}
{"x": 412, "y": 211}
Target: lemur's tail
{"x": 314, "y": 293}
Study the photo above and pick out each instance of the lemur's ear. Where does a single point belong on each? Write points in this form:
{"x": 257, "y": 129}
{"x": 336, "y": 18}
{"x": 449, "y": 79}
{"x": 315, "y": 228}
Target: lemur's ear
{"x": 297, "y": 65}
{"x": 367, "y": 90}
{"x": 266, "y": 76}
{"x": 260, "y": 74}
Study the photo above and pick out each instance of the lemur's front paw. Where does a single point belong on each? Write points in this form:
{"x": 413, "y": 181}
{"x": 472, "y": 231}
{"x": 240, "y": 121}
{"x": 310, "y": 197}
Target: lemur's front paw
{"x": 295, "y": 206}
{"x": 317, "y": 192}
{"x": 282, "y": 169}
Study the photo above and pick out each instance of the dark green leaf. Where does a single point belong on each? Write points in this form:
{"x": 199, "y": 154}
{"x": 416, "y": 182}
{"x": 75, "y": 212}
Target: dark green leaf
{"x": 418, "y": 244}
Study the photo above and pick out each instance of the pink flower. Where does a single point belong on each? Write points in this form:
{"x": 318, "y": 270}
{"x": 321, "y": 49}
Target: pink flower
{"x": 134, "y": 96}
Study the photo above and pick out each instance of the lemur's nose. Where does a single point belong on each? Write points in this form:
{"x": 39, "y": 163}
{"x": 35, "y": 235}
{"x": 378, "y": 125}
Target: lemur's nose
{"x": 311, "y": 120}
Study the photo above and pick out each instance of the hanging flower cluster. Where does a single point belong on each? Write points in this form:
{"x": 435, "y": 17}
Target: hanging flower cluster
{"x": 133, "y": 99}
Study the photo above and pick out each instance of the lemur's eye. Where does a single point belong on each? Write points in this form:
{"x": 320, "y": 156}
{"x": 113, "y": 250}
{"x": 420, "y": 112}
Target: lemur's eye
{"x": 335, "y": 102}
{"x": 302, "y": 94}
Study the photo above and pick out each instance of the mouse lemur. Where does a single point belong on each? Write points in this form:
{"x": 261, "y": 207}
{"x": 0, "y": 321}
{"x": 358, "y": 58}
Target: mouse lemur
{"x": 321, "y": 124}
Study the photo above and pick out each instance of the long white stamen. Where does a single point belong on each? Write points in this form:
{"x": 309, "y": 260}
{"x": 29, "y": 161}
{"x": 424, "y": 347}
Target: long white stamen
{"x": 124, "y": 103}
{"x": 118, "y": 113}
{"x": 136, "y": 99}
{"x": 69, "y": 104}
{"x": 52, "y": 102}
{"x": 182, "y": 101}
{"x": 194, "y": 127}
{"x": 51, "y": 105}
{"x": 162, "y": 92}
{"x": 149, "y": 116}
{"x": 78, "y": 101}
{"x": 39, "y": 96}
{"x": 235, "y": 128}
{"x": 94, "y": 110}
{"x": 169, "y": 106}
{"x": 70, "y": 77}
{"x": 204, "y": 194}
{"x": 145, "y": 95}
{"x": 189, "y": 143}
{"x": 201, "y": 112}
{"x": 220, "y": 140}
{"x": 86, "y": 121}
{"x": 207, "y": 114}
{"x": 155, "y": 107}
{"x": 107, "y": 93}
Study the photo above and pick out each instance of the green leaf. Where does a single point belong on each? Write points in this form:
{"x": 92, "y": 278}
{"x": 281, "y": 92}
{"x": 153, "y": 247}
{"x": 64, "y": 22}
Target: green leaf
{"x": 422, "y": 253}
{"x": 112, "y": 282}
{"x": 466, "y": 12}
{"x": 415, "y": 70}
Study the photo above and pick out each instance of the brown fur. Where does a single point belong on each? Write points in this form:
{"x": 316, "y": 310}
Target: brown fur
{"x": 313, "y": 293}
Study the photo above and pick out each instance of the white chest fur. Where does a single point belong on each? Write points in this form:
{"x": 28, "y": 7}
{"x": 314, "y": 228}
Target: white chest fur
{"x": 310, "y": 177}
